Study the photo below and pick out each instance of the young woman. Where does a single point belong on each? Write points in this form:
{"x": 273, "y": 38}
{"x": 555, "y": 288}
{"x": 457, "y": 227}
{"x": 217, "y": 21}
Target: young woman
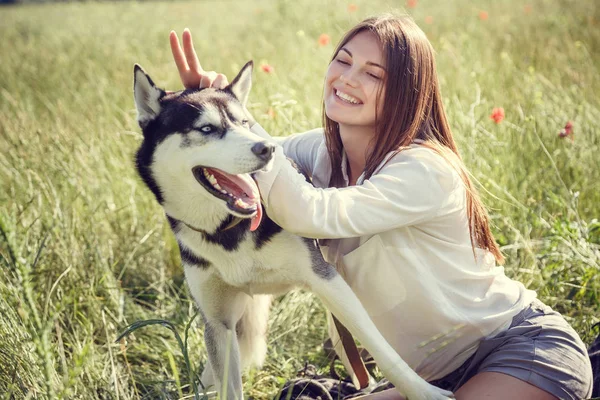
{"x": 402, "y": 221}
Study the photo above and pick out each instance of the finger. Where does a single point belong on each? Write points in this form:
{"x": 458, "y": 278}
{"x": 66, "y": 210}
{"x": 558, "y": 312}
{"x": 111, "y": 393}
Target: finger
{"x": 178, "y": 55}
{"x": 220, "y": 81}
{"x": 190, "y": 53}
{"x": 217, "y": 82}
{"x": 206, "y": 81}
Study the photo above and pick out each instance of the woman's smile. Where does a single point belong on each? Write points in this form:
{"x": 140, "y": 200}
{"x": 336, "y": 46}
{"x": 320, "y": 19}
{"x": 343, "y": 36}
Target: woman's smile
{"x": 354, "y": 82}
{"x": 346, "y": 98}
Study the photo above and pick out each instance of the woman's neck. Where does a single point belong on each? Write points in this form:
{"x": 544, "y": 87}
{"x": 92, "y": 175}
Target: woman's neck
{"x": 356, "y": 141}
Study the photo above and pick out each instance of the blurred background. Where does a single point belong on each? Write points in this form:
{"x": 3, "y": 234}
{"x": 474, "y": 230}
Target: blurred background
{"x": 85, "y": 251}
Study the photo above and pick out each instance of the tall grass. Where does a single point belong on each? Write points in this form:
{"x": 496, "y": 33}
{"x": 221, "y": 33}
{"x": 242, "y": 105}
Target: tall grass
{"x": 85, "y": 251}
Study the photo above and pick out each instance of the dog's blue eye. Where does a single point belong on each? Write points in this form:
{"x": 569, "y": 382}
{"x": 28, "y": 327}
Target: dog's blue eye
{"x": 207, "y": 128}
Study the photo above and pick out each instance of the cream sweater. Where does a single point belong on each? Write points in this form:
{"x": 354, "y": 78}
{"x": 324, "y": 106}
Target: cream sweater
{"x": 401, "y": 241}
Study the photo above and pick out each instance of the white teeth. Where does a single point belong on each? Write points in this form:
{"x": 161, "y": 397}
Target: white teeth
{"x": 347, "y": 97}
{"x": 212, "y": 180}
{"x": 241, "y": 203}
{"x": 210, "y": 177}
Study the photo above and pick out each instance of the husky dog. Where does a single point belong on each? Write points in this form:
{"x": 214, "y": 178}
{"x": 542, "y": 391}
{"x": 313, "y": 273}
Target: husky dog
{"x": 197, "y": 157}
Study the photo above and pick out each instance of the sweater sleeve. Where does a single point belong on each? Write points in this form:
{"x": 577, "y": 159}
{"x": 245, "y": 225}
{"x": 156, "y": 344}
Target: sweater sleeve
{"x": 406, "y": 191}
{"x": 302, "y": 148}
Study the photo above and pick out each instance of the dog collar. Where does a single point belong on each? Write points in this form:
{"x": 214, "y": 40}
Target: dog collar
{"x": 234, "y": 222}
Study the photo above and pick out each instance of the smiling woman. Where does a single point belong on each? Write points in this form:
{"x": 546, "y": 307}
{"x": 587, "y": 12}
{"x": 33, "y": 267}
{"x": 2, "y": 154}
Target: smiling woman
{"x": 353, "y": 84}
{"x": 391, "y": 189}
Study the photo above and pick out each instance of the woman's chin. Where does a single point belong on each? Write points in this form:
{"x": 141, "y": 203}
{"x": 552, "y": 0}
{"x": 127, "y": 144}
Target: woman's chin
{"x": 342, "y": 117}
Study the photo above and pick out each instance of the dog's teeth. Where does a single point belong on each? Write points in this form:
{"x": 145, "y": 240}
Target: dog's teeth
{"x": 224, "y": 191}
{"x": 241, "y": 203}
{"x": 216, "y": 185}
{"x": 209, "y": 176}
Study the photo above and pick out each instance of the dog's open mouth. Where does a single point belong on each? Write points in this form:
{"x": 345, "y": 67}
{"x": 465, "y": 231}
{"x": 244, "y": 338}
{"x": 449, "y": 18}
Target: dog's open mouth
{"x": 238, "y": 191}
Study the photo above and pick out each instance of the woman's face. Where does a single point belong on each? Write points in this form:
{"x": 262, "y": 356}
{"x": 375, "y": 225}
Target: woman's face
{"x": 353, "y": 80}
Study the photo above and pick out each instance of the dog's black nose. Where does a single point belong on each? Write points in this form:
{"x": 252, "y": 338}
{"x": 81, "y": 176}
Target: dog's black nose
{"x": 263, "y": 150}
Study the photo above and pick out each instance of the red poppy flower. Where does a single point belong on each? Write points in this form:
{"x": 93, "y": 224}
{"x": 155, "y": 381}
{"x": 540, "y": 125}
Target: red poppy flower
{"x": 527, "y": 9}
{"x": 324, "y": 39}
{"x": 567, "y": 131}
{"x": 411, "y": 3}
{"x": 483, "y": 15}
{"x": 267, "y": 68}
{"x": 497, "y": 114}
{"x": 352, "y": 7}
{"x": 429, "y": 19}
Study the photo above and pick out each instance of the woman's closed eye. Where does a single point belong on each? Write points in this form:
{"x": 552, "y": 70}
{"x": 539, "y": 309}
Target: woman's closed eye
{"x": 371, "y": 74}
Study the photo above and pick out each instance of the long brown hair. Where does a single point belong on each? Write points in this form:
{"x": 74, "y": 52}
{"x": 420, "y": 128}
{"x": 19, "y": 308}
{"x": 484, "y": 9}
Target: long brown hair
{"x": 412, "y": 109}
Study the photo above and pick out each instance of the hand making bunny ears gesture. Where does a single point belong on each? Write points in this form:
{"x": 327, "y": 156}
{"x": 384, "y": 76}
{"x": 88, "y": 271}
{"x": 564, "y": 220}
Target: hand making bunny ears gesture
{"x": 191, "y": 72}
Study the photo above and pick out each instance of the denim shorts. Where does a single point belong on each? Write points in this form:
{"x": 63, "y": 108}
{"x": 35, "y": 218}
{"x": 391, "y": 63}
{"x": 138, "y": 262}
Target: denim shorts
{"x": 540, "y": 348}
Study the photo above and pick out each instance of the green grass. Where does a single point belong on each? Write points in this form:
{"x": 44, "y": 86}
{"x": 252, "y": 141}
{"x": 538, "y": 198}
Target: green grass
{"x": 85, "y": 251}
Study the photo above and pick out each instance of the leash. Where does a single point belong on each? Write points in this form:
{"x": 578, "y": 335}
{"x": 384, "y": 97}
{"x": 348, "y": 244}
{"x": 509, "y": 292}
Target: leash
{"x": 361, "y": 376}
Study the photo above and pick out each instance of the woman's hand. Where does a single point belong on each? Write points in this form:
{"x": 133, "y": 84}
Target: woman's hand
{"x": 191, "y": 72}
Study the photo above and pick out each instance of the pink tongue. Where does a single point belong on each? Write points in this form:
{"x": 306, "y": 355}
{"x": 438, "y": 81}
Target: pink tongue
{"x": 257, "y": 218}
{"x": 238, "y": 185}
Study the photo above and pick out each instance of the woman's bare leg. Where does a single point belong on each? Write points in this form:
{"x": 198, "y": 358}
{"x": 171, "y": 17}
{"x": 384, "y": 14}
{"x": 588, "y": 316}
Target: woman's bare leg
{"x": 495, "y": 385}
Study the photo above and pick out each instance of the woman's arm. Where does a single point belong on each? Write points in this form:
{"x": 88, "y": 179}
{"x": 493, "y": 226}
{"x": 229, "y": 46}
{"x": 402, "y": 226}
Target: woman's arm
{"x": 409, "y": 189}
{"x": 388, "y": 394}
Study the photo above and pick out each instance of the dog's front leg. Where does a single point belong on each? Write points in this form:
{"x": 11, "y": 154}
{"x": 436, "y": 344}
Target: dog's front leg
{"x": 224, "y": 359}
{"x": 339, "y": 298}
{"x": 222, "y": 307}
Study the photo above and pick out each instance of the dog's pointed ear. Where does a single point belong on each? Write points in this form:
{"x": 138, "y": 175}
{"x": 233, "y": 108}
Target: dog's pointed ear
{"x": 147, "y": 96}
{"x": 241, "y": 85}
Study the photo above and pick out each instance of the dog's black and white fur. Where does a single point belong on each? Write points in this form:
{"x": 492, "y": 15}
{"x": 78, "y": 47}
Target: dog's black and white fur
{"x": 233, "y": 271}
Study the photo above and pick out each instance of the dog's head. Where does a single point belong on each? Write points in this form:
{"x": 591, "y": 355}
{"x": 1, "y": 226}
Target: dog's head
{"x": 197, "y": 144}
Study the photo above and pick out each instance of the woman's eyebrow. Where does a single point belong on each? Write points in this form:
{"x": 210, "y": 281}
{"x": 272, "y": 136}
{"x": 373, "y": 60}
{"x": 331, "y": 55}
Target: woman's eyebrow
{"x": 368, "y": 62}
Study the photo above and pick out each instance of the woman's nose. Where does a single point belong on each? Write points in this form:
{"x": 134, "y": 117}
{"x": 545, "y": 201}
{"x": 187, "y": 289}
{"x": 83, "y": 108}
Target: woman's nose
{"x": 349, "y": 78}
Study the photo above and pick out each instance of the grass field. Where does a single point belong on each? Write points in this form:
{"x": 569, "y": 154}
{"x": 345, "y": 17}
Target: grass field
{"x": 85, "y": 251}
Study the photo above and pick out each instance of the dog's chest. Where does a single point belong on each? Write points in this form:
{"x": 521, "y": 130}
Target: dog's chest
{"x": 264, "y": 270}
